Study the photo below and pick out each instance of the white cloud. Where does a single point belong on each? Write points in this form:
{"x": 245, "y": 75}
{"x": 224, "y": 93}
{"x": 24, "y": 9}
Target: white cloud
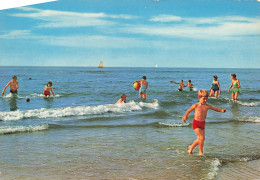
{"x": 55, "y": 19}
{"x": 217, "y": 28}
{"x": 166, "y": 18}
{"x": 16, "y": 34}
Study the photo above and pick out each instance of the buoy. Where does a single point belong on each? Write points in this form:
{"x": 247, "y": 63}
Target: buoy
{"x": 27, "y": 100}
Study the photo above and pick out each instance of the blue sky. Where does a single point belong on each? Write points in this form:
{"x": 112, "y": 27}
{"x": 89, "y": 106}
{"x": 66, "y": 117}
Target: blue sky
{"x": 132, "y": 33}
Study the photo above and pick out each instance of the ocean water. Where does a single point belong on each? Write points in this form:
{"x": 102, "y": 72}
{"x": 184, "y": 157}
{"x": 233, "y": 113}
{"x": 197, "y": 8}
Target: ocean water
{"x": 81, "y": 134}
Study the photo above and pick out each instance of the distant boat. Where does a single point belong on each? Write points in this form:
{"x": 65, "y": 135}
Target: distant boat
{"x": 156, "y": 66}
{"x": 101, "y": 64}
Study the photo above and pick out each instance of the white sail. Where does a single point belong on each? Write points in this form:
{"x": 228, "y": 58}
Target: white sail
{"x": 156, "y": 66}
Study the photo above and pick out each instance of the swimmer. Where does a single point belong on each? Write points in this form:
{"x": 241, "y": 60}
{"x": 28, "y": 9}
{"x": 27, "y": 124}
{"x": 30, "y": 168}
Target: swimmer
{"x": 122, "y": 99}
{"x": 190, "y": 86}
{"x": 181, "y": 85}
{"x": 48, "y": 88}
{"x": 14, "y": 85}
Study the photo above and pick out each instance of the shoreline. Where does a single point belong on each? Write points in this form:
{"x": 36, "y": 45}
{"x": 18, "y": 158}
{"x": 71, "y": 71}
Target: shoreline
{"x": 240, "y": 170}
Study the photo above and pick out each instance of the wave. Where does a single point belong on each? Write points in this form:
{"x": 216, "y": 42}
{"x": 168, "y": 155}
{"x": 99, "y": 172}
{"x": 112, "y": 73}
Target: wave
{"x": 251, "y": 119}
{"x": 249, "y": 104}
{"x": 16, "y": 129}
{"x": 161, "y": 124}
{"x": 153, "y": 124}
{"x": 217, "y": 163}
{"x": 77, "y": 111}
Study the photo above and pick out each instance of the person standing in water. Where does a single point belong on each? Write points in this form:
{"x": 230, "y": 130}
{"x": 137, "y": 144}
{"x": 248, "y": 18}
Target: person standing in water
{"x": 143, "y": 88}
{"x": 190, "y": 86}
{"x": 215, "y": 88}
{"x": 14, "y": 85}
{"x": 48, "y": 88}
{"x": 181, "y": 85}
{"x": 201, "y": 109}
{"x": 235, "y": 85}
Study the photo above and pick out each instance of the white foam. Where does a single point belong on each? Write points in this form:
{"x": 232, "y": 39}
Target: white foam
{"x": 214, "y": 168}
{"x": 251, "y": 119}
{"x": 30, "y": 128}
{"x": 174, "y": 124}
{"x": 252, "y": 104}
{"x": 10, "y": 95}
{"x": 42, "y": 95}
{"x": 77, "y": 110}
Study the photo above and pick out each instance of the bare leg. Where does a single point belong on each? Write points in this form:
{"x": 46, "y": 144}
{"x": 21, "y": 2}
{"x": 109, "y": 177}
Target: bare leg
{"x": 199, "y": 141}
{"x": 236, "y": 95}
{"x": 211, "y": 93}
{"x": 192, "y": 146}
{"x": 216, "y": 94}
{"x": 201, "y": 137}
{"x": 233, "y": 96}
{"x": 144, "y": 95}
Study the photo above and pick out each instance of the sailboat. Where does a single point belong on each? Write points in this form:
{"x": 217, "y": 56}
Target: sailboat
{"x": 156, "y": 66}
{"x": 101, "y": 64}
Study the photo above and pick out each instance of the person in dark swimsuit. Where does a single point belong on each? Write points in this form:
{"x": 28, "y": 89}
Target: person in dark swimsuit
{"x": 215, "y": 87}
{"x": 181, "y": 85}
{"x": 14, "y": 85}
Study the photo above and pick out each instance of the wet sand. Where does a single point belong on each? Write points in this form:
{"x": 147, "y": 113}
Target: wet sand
{"x": 241, "y": 170}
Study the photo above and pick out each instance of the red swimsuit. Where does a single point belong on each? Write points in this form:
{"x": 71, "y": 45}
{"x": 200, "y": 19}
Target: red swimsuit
{"x": 46, "y": 93}
{"x": 198, "y": 124}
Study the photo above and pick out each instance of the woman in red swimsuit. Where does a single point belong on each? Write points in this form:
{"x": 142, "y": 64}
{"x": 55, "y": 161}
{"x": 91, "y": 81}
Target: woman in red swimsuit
{"x": 48, "y": 88}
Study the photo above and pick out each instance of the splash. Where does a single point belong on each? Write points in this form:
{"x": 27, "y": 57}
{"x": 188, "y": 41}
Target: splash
{"x": 214, "y": 168}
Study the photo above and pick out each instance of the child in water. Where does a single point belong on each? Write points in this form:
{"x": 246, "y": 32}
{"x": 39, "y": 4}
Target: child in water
{"x": 48, "y": 88}
{"x": 235, "y": 85}
{"x": 215, "y": 88}
{"x": 201, "y": 109}
{"x": 181, "y": 85}
{"x": 190, "y": 85}
{"x": 143, "y": 88}
{"x": 122, "y": 99}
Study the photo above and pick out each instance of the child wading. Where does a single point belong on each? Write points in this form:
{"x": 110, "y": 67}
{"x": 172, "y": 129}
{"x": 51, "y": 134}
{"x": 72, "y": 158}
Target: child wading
{"x": 201, "y": 109}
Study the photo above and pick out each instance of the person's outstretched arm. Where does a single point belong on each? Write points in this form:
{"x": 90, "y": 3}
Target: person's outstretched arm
{"x": 230, "y": 86}
{"x": 217, "y": 109}
{"x": 6, "y": 87}
{"x": 185, "y": 117}
{"x": 52, "y": 91}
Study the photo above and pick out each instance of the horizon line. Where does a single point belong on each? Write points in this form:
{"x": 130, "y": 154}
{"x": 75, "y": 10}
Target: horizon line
{"x": 137, "y": 67}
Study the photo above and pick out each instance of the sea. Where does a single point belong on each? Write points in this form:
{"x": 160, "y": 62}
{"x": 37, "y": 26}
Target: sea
{"x": 82, "y": 134}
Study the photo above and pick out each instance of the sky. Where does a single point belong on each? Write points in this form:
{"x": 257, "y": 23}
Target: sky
{"x": 132, "y": 33}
